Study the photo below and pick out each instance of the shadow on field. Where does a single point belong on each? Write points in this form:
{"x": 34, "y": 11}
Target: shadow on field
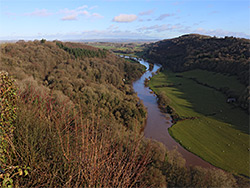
{"x": 208, "y": 102}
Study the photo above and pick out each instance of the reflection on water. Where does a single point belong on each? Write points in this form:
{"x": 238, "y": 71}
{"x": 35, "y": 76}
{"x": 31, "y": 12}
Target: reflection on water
{"x": 158, "y": 123}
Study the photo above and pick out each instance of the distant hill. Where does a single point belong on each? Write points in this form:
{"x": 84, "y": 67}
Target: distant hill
{"x": 228, "y": 55}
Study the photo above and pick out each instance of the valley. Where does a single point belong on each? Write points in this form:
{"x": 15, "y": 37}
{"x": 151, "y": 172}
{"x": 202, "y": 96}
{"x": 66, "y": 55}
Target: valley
{"x": 82, "y": 103}
{"x": 208, "y": 126}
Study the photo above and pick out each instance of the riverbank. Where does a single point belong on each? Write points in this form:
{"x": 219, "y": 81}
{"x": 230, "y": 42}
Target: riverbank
{"x": 157, "y": 125}
{"x": 217, "y": 134}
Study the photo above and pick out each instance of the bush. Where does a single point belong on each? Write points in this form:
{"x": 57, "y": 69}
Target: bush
{"x": 8, "y": 98}
{"x": 64, "y": 149}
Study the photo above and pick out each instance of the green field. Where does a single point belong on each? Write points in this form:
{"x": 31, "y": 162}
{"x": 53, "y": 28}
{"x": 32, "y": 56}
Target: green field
{"x": 220, "y": 132}
{"x": 130, "y": 49}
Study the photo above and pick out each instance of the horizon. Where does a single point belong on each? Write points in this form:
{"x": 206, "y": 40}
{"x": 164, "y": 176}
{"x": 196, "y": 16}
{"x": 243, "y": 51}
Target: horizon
{"x": 128, "y": 20}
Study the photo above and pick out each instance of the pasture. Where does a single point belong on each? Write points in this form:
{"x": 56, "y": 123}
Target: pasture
{"x": 219, "y": 133}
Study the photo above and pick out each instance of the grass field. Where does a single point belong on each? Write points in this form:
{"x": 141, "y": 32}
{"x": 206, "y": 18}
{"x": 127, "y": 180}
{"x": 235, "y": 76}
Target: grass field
{"x": 216, "y": 79}
{"x": 129, "y": 49}
{"x": 220, "y": 133}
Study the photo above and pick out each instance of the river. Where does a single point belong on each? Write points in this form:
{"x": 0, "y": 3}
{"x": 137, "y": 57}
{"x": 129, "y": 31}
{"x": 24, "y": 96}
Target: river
{"x": 158, "y": 123}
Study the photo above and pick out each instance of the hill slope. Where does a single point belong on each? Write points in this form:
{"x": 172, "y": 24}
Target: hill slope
{"x": 227, "y": 55}
{"x": 78, "y": 72}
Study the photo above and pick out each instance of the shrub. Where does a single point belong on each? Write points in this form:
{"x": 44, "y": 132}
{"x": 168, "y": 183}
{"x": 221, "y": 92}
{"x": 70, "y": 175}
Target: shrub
{"x": 63, "y": 148}
{"x": 8, "y": 99}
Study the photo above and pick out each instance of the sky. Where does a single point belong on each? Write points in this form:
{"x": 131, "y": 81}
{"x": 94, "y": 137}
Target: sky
{"x": 122, "y": 19}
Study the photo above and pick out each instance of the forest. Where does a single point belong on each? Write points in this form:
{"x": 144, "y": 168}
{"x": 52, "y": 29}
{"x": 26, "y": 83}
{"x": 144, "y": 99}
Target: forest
{"x": 70, "y": 118}
{"x": 228, "y": 55}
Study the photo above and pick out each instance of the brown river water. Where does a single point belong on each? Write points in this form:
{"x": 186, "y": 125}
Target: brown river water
{"x": 158, "y": 123}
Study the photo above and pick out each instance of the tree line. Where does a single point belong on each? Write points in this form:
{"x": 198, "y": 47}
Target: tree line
{"x": 81, "y": 52}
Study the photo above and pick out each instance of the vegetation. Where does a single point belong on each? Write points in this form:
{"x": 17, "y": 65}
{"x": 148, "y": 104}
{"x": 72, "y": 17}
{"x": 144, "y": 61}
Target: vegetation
{"x": 207, "y": 126}
{"x": 95, "y": 81}
{"x": 75, "y": 122}
{"x": 227, "y": 55}
{"x": 126, "y": 48}
{"x": 8, "y": 108}
{"x": 81, "y": 52}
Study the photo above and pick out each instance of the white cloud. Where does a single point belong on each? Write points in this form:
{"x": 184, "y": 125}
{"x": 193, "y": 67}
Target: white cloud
{"x": 176, "y": 3}
{"x": 116, "y": 34}
{"x": 85, "y": 13}
{"x": 91, "y": 8}
{"x": 96, "y": 15}
{"x": 69, "y": 17}
{"x": 163, "y": 16}
{"x": 221, "y": 33}
{"x": 112, "y": 27}
{"x": 39, "y": 12}
{"x": 160, "y": 28}
{"x": 74, "y": 14}
{"x": 82, "y": 7}
{"x": 214, "y": 12}
{"x": 143, "y": 20}
{"x": 146, "y": 13}
{"x": 125, "y": 18}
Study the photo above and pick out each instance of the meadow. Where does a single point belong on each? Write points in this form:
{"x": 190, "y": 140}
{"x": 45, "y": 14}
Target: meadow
{"x": 211, "y": 128}
{"x": 134, "y": 49}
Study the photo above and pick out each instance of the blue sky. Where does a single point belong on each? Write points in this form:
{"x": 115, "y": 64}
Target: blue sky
{"x": 122, "y": 19}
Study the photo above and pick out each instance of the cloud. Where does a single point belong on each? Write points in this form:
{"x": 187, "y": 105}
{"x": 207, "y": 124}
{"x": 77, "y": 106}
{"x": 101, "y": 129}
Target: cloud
{"x": 82, "y": 7}
{"x": 96, "y": 15}
{"x": 125, "y": 18}
{"x": 143, "y": 20}
{"x": 115, "y": 34}
{"x": 69, "y": 17}
{"x": 93, "y": 7}
{"x": 74, "y": 14}
{"x": 221, "y": 33}
{"x": 39, "y": 12}
{"x": 214, "y": 12}
{"x": 146, "y": 13}
{"x": 84, "y": 12}
{"x": 163, "y": 16}
{"x": 10, "y": 14}
{"x": 160, "y": 28}
{"x": 113, "y": 27}
{"x": 176, "y": 3}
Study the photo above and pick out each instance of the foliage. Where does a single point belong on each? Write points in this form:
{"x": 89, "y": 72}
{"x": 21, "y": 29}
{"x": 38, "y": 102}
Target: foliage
{"x": 123, "y": 48}
{"x": 8, "y": 99}
{"x": 81, "y": 52}
{"x": 63, "y": 148}
{"x": 96, "y": 82}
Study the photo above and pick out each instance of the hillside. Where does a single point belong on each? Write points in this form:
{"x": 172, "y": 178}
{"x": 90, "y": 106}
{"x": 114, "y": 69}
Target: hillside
{"x": 70, "y": 118}
{"x": 227, "y": 55}
{"x": 70, "y": 111}
{"x": 78, "y": 72}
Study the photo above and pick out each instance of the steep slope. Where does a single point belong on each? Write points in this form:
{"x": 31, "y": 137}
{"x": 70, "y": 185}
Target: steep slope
{"x": 96, "y": 78}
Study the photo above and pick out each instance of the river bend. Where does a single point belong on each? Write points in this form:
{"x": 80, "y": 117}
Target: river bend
{"x": 158, "y": 123}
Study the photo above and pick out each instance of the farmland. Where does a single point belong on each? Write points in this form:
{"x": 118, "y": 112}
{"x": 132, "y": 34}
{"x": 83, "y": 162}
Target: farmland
{"x": 211, "y": 128}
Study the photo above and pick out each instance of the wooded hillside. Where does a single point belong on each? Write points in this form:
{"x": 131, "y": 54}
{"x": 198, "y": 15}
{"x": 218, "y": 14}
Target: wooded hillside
{"x": 227, "y": 55}
{"x": 80, "y": 73}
